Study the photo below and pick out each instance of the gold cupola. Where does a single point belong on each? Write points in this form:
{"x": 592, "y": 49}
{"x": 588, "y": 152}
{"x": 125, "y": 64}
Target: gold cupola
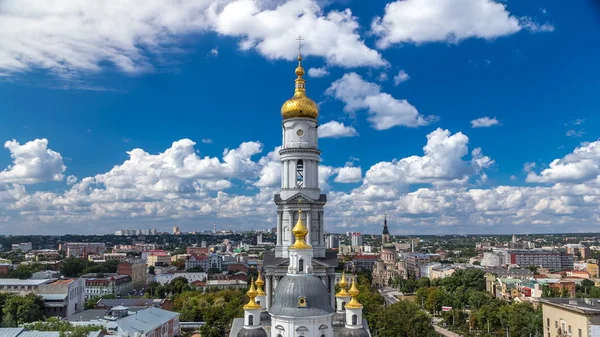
{"x": 300, "y": 105}
{"x": 259, "y": 283}
{"x": 353, "y": 304}
{"x": 300, "y": 231}
{"x": 343, "y": 284}
{"x": 252, "y": 295}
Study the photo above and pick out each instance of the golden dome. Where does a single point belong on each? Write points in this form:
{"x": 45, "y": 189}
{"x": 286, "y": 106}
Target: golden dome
{"x": 300, "y": 105}
{"x": 300, "y": 231}
{"x": 252, "y": 294}
{"x": 259, "y": 283}
{"x": 354, "y": 304}
{"x": 343, "y": 284}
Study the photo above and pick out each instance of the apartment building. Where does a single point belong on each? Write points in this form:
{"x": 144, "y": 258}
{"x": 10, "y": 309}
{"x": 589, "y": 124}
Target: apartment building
{"x": 82, "y": 249}
{"x": 551, "y": 259}
{"x": 414, "y": 261}
{"x": 136, "y": 269}
{"x": 571, "y": 317}
{"x": 98, "y": 285}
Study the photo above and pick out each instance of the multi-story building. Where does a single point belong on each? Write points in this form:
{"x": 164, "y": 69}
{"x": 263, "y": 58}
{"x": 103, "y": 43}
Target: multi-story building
{"x": 551, "y": 259}
{"x": 578, "y": 250}
{"x": 414, "y": 261}
{"x": 64, "y": 297}
{"x": 206, "y": 262}
{"x": 356, "y": 239}
{"x": 333, "y": 242}
{"x": 107, "y": 284}
{"x": 191, "y": 277}
{"x": 158, "y": 259}
{"x": 121, "y": 322}
{"x": 82, "y": 249}
{"x": 570, "y": 317}
{"x": 61, "y": 297}
{"x": 197, "y": 250}
{"x": 361, "y": 262}
{"x": 592, "y": 268}
{"x": 136, "y": 269}
{"x": 114, "y": 256}
{"x": 43, "y": 255}
{"x": 24, "y": 247}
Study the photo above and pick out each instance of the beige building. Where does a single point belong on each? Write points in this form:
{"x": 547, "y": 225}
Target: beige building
{"x": 571, "y": 317}
{"x": 158, "y": 259}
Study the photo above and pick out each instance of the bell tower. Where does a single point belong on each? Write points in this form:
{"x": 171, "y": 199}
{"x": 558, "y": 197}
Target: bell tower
{"x": 300, "y": 157}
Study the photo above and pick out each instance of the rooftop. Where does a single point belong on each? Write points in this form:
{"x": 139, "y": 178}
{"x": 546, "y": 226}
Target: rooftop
{"x": 581, "y": 305}
{"x": 64, "y": 281}
{"x": 18, "y": 282}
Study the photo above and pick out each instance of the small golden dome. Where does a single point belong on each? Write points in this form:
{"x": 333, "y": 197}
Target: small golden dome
{"x": 300, "y": 231}
{"x": 300, "y": 105}
{"x": 259, "y": 283}
{"x": 343, "y": 284}
{"x": 354, "y": 304}
{"x": 252, "y": 294}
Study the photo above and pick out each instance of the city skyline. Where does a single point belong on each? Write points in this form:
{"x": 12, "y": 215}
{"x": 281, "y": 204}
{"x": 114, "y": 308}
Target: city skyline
{"x": 173, "y": 117}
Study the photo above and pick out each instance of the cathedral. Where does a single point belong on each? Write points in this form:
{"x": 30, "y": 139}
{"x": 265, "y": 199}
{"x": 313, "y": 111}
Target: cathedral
{"x": 299, "y": 299}
{"x": 386, "y": 267}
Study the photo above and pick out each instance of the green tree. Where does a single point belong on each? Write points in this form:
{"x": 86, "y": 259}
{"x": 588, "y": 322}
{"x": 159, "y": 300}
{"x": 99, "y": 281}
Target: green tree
{"x": 401, "y": 319}
{"x": 72, "y": 267}
{"x": 22, "y": 309}
{"x": 151, "y": 270}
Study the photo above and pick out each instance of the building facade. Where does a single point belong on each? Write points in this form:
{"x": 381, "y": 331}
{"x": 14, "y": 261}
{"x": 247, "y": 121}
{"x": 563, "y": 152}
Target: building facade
{"x": 571, "y": 317}
{"x": 137, "y": 270}
{"x": 107, "y": 284}
{"x": 82, "y": 249}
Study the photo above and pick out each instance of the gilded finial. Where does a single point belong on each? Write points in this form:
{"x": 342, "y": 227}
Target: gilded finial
{"x": 252, "y": 294}
{"x": 300, "y": 231}
{"x": 300, "y": 105}
{"x": 354, "y": 304}
{"x": 259, "y": 283}
{"x": 343, "y": 284}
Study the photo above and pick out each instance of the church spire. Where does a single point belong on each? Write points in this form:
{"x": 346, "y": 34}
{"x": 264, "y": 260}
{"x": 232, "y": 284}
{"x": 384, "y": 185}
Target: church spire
{"x": 300, "y": 105}
{"x": 251, "y": 305}
{"x": 343, "y": 284}
{"x": 300, "y": 231}
{"x": 385, "y": 226}
{"x": 354, "y": 304}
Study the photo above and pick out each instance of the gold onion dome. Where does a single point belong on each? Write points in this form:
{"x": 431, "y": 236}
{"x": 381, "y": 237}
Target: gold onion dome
{"x": 343, "y": 284}
{"x": 252, "y": 294}
{"x": 300, "y": 105}
{"x": 300, "y": 231}
{"x": 259, "y": 283}
{"x": 354, "y": 304}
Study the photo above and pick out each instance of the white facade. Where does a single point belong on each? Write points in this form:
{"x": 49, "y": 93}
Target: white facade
{"x": 302, "y": 327}
{"x": 191, "y": 277}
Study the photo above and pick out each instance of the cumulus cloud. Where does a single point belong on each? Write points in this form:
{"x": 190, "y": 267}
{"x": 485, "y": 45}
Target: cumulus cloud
{"x": 384, "y": 110}
{"x": 422, "y": 21}
{"x": 318, "y": 72}
{"x": 582, "y": 165}
{"x": 575, "y": 133}
{"x": 348, "y": 174}
{"x": 401, "y": 77}
{"x": 484, "y": 122}
{"x": 32, "y": 162}
{"x": 128, "y": 36}
{"x": 334, "y": 129}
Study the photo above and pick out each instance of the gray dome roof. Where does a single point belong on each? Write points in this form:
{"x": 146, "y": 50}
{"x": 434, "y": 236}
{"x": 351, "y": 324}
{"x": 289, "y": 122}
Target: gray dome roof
{"x": 260, "y": 332}
{"x": 338, "y": 319}
{"x": 347, "y": 332}
{"x": 291, "y": 288}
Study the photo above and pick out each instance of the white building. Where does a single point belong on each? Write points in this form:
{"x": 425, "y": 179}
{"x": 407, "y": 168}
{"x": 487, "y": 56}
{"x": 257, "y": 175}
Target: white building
{"x": 191, "y": 277}
{"x": 356, "y": 239}
{"x": 24, "y": 247}
{"x": 108, "y": 284}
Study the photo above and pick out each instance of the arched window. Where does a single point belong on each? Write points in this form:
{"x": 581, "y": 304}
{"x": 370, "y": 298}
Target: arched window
{"x": 343, "y": 305}
{"x": 354, "y": 320}
{"x": 322, "y": 335}
{"x": 301, "y": 265}
{"x": 258, "y": 302}
{"x": 279, "y": 335}
{"x": 300, "y": 173}
{"x": 250, "y": 320}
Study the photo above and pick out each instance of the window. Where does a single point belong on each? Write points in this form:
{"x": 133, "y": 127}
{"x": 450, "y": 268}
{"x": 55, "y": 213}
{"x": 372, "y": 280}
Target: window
{"x": 548, "y": 322}
{"x": 580, "y": 333}
{"x": 279, "y": 335}
{"x": 300, "y": 173}
{"x": 301, "y": 265}
{"x": 343, "y": 305}
{"x": 354, "y": 320}
{"x": 570, "y": 330}
{"x": 250, "y": 320}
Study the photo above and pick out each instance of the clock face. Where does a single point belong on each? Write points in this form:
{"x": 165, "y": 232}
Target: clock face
{"x": 300, "y": 132}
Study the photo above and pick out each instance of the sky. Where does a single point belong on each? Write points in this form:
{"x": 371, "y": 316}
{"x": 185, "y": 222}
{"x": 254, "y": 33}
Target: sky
{"x": 451, "y": 116}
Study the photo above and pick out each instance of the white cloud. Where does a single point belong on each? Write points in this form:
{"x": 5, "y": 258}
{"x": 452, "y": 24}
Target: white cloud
{"x": 270, "y": 173}
{"x": 441, "y": 164}
{"x": 71, "y": 180}
{"x": 484, "y": 122}
{"x": 318, "y": 72}
{"x": 575, "y": 133}
{"x": 582, "y": 165}
{"x": 401, "y": 77}
{"x": 384, "y": 110}
{"x": 422, "y": 21}
{"x": 534, "y": 27}
{"x": 382, "y": 77}
{"x": 206, "y": 140}
{"x": 333, "y": 129}
{"x": 33, "y": 162}
{"x": 213, "y": 52}
{"x": 348, "y": 174}
{"x": 33, "y": 34}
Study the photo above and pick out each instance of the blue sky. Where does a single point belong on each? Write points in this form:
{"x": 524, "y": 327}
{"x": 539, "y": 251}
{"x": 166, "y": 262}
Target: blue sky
{"x": 83, "y": 85}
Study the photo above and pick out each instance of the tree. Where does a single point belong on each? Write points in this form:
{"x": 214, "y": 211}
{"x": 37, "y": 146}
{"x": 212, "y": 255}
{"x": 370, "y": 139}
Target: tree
{"x": 179, "y": 285}
{"x": 22, "y": 309}
{"x": 72, "y": 267}
{"x": 151, "y": 270}
{"x": 423, "y": 282}
{"x": 401, "y": 319}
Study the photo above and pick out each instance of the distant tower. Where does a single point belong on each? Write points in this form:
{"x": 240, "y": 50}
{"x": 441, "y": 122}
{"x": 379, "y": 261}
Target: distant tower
{"x": 176, "y": 230}
{"x": 385, "y": 237}
{"x": 514, "y": 238}
{"x": 214, "y": 228}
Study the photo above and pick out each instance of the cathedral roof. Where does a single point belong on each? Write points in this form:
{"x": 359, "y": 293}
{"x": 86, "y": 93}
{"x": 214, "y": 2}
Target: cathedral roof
{"x": 338, "y": 319}
{"x": 348, "y": 332}
{"x": 301, "y": 296}
{"x": 300, "y": 105}
{"x": 244, "y": 332}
